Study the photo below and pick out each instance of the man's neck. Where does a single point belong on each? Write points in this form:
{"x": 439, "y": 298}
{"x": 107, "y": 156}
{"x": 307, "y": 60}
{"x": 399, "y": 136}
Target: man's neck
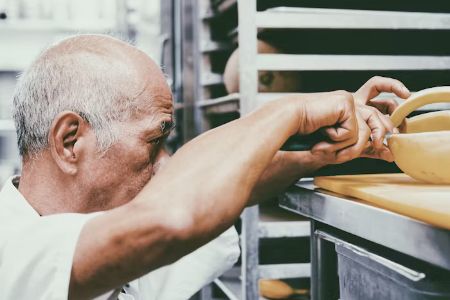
{"x": 45, "y": 191}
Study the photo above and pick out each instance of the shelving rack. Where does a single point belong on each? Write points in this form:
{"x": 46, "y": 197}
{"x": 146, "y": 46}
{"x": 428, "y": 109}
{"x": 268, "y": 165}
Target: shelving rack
{"x": 332, "y": 45}
{"x": 252, "y": 20}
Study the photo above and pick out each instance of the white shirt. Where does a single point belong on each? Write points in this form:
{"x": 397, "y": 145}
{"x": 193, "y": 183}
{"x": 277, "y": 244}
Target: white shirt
{"x": 36, "y": 257}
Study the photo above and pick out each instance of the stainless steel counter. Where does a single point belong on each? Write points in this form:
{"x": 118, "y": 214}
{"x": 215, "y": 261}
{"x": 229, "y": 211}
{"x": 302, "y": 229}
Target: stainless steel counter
{"x": 332, "y": 213}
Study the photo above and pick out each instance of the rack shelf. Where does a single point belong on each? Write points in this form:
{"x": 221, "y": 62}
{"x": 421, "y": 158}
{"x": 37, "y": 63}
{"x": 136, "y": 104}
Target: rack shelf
{"x": 283, "y": 271}
{"x": 226, "y": 104}
{"x": 231, "y": 287}
{"x": 230, "y": 103}
{"x": 292, "y": 62}
{"x": 275, "y": 223}
{"x": 209, "y": 79}
{"x": 293, "y": 17}
{"x": 266, "y": 97}
{"x": 211, "y": 46}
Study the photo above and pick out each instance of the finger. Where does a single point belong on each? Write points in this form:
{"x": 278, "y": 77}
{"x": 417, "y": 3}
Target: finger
{"x": 355, "y": 150}
{"x": 347, "y": 122}
{"x": 384, "y": 154}
{"x": 327, "y": 147}
{"x": 376, "y": 85}
{"x": 338, "y": 134}
{"x": 378, "y": 129}
{"x": 325, "y": 158}
{"x": 340, "y": 138}
{"x": 387, "y": 122}
{"x": 386, "y": 105}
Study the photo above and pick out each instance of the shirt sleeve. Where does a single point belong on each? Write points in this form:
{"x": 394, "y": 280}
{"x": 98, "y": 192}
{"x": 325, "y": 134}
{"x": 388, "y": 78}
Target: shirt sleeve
{"x": 36, "y": 257}
{"x": 182, "y": 279}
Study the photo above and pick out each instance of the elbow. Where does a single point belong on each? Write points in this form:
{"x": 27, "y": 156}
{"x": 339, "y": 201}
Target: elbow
{"x": 179, "y": 225}
{"x": 156, "y": 218}
{"x": 183, "y": 234}
{"x": 161, "y": 232}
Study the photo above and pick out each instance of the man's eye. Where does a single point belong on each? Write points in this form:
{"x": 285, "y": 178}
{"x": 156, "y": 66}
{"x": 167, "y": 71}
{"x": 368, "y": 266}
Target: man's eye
{"x": 156, "y": 141}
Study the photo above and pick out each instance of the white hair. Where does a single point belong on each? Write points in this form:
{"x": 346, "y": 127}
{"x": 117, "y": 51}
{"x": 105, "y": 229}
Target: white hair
{"x": 81, "y": 77}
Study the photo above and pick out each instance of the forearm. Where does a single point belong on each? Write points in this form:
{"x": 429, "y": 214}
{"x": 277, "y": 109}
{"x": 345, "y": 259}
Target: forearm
{"x": 211, "y": 177}
{"x": 284, "y": 170}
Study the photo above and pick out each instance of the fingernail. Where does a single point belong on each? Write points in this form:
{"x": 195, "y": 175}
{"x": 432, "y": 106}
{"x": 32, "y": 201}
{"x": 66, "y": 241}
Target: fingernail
{"x": 395, "y": 130}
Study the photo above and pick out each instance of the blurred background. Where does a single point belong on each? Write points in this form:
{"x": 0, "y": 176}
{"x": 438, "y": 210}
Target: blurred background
{"x": 29, "y": 26}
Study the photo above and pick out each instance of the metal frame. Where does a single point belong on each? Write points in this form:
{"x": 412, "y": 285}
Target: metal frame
{"x": 248, "y": 78}
{"x": 294, "y": 62}
{"x": 190, "y": 69}
{"x": 290, "y": 17}
{"x": 411, "y": 237}
{"x": 323, "y": 267}
{"x": 328, "y": 210}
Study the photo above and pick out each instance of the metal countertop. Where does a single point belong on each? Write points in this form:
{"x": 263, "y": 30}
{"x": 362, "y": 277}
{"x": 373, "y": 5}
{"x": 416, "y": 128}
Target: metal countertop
{"x": 392, "y": 230}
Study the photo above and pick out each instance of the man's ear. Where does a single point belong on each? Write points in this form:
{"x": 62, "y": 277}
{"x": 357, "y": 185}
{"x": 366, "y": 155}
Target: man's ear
{"x": 66, "y": 132}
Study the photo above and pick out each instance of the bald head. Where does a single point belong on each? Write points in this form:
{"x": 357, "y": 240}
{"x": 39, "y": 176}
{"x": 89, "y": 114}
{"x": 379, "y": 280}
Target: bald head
{"x": 97, "y": 76}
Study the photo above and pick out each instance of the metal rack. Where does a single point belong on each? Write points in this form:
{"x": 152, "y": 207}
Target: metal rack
{"x": 251, "y": 20}
{"x": 343, "y": 67}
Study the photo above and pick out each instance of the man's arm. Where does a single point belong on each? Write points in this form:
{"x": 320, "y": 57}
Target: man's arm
{"x": 288, "y": 167}
{"x": 200, "y": 191}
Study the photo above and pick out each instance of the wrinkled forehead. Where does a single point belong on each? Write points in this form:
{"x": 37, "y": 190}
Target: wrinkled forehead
{"x": 153, "y": 92}
{"x": 154, "y": 101}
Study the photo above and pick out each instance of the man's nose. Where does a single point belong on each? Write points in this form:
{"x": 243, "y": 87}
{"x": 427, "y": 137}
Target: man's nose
{"x": 161, "y": 159}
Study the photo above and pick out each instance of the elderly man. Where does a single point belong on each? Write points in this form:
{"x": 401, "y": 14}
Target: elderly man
{"x": 89, "y": 218}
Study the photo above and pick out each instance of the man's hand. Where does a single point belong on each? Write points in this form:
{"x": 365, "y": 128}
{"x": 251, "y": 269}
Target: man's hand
{"x": 375, "y": 113}
{"x": 373, "y": 123}
{"x": 377, "y": 85}
{"x": 334, "y": 114}
{"x": 345, "y": 141}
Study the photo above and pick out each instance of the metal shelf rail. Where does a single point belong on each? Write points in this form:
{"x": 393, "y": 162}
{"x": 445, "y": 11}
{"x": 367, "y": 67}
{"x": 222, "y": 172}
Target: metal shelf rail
{"x": 294, "y": 62}
{"x": 316, "y": 18}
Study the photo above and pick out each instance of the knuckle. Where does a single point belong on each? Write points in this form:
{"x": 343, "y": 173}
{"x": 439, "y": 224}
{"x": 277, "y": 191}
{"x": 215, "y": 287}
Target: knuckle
{"x": 376, "y": 78}
{"x": 391, "y": 102}
{"x": 344, "y": 96}
{"x": 386, "y": 119}
{"x": 372, "y": 109}
{"x": 365, "y": 130}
